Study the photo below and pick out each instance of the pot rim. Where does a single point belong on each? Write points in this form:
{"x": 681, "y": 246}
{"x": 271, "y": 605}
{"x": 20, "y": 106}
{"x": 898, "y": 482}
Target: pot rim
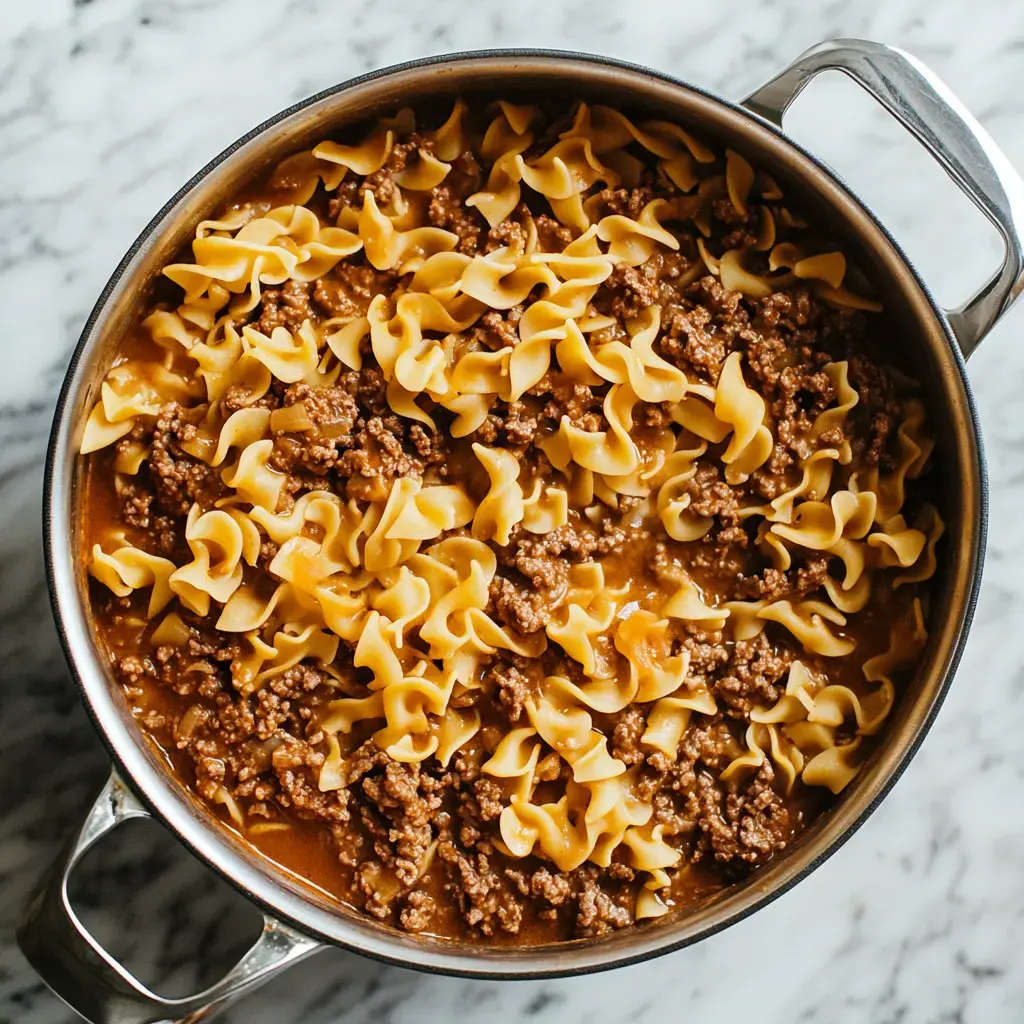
{"x": 53, "y": 531}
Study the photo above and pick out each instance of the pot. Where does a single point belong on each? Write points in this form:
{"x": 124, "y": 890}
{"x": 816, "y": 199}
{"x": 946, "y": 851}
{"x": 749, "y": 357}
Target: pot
{"x": 300, "y": 920}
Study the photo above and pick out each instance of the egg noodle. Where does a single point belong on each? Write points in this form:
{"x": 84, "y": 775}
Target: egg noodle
{"x": 399, "y": 584}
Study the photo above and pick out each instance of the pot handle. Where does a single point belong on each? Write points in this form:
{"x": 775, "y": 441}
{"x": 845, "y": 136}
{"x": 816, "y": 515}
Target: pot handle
{"x": 924, "y": 105}
{"x": 95, "y": 985}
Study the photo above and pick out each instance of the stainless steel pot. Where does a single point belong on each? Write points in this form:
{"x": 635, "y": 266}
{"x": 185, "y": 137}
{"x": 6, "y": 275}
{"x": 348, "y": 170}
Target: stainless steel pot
{"x": 299, "y": 920}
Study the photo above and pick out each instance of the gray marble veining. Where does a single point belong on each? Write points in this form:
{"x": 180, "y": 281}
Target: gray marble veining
{"x": 106, "y": 106}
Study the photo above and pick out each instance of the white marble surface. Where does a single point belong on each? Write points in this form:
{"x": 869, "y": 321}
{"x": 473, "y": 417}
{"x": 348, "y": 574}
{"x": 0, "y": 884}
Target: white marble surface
{"x": 107, "y": 106}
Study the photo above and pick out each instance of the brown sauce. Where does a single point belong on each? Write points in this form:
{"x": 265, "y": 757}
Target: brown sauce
{"x": 396, "y": 812}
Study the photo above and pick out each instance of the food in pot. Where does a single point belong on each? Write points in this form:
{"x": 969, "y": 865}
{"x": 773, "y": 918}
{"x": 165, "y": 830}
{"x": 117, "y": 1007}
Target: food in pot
{"x": 508, "y": 523}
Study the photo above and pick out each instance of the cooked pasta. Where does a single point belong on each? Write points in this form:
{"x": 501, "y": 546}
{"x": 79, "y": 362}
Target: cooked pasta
{"x": 493, "y": 518}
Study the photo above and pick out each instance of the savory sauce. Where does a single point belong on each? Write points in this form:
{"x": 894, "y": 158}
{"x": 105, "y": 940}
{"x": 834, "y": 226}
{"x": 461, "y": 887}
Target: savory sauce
{"x": 450, "y": 621}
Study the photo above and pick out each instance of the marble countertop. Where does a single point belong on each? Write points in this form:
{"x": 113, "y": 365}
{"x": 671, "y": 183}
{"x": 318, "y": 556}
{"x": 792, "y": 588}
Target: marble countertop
{"x": 107, "y": 106}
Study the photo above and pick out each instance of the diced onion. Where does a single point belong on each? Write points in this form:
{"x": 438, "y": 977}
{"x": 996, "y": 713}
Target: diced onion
{"x": 171, "y": 632}
{"x": 191, "y": 720}
{"x": 292, "y": 419}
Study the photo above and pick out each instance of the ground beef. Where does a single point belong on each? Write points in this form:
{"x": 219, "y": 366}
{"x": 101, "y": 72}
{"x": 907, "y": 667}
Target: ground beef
{"x": 287, "y": 306}
{"x": 631, "y": 290}
{"x": 777, "y": 584}
{"x": 430, "y": 445}
{"x": 448, "y": 211}
{"x": 297, "y": 766}
{"x": 519, "y": 426}
{"x": 634, "y": 289}
{"x": 577, "y": 541}
{"x": 417, "y": 912}
{"x": 333, "y": 409}
{"x": 466, "y": 175}
{"x": 525, "y": 610}
{"x": 687, "y": 341}
{"x": 706, "y": 659}
{"x": 579, "y": 403}
{"x": 333, "y": 412}
{"x": 879, "y": 411}
{"x": 553, "y": 889}
{"x": 742, "y": 829}
{"x": 418, "y": 843}
{"x": 552, "y": 236}
{"x": 629, "y": 727}
{"x": 711, "y": 496}
{"x": 509, "y": 234}
{"x": 515, "y": 426}
{"x": 401, "y": 804}
{"x": 482, "y": 894}
{"x": 498, "y": 330}
{"x": 755, "y": 669}
{"x": 626, "y": 202}
{"x": 512, "y": 685}
{"x": 710, "y": 744}
{"x": 369, "y": 389}
{"x": 347, "y": 290}
{"x": 382, "y": 182}
{"x": 137, "y": 505}
{"x": 180, "y": 480}
{"x": 600, "y": 911}
{"x": 379, "y": 456}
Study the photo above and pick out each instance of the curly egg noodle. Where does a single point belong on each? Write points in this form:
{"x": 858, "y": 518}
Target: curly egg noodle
{"x": 399, "y": 584}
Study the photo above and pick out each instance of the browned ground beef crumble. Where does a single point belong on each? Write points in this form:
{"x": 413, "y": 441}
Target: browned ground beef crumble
{"x": 266, "y": 748}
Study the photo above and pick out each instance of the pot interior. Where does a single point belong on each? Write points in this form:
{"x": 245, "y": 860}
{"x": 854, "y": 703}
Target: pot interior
{"x": 918, "y": 343}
